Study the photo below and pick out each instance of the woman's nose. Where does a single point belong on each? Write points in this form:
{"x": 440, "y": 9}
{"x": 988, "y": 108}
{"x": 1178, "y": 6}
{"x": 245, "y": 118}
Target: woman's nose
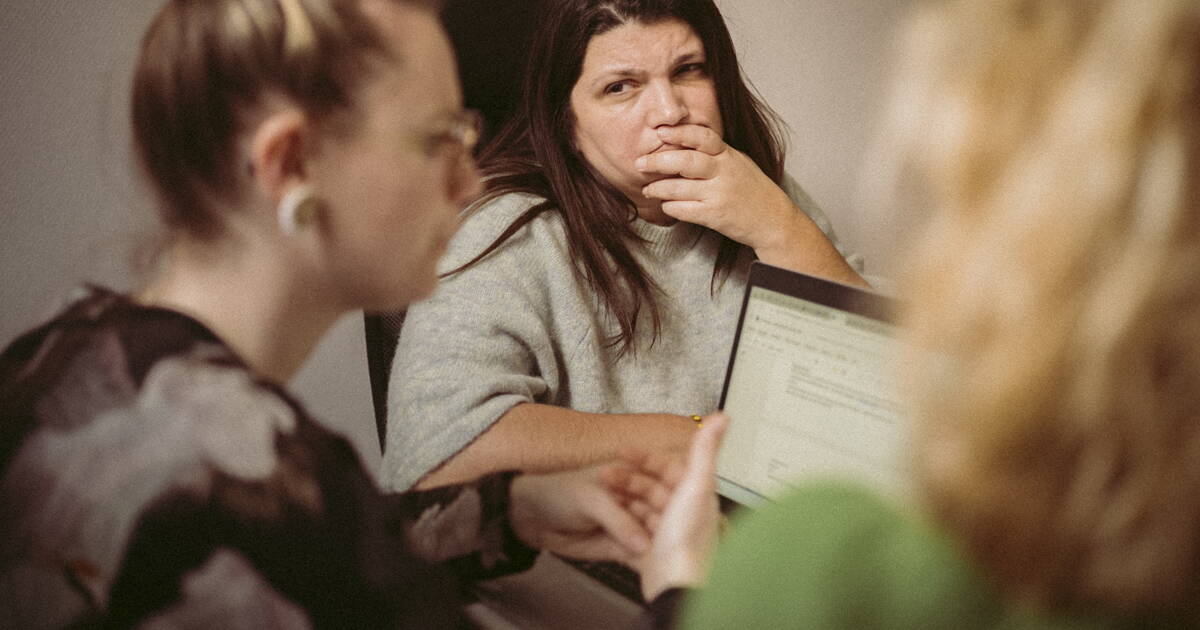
{"x": 666, "y": 106}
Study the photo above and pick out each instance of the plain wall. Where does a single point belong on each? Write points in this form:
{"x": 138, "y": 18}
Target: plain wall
{"x": 71, "y": 209}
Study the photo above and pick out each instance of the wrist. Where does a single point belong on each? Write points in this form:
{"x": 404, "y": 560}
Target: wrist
{"x": 782, "y": 239}
{"x": 781, "y": 222}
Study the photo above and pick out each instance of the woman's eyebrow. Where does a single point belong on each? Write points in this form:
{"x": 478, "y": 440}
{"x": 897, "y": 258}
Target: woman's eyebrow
{"x": 614, "y": 73}
{"x": 617, "y": 72}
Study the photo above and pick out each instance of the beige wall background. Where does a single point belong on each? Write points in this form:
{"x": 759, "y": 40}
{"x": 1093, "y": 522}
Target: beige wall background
{"x": 71, "y": 209}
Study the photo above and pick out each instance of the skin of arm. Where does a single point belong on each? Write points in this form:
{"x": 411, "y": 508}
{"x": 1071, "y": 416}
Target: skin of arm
{"x": 801, "y": 246}
{"x": 535, "y": 438}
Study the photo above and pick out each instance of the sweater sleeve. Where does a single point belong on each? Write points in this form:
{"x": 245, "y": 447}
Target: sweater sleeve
{"x": 479, "y": 346}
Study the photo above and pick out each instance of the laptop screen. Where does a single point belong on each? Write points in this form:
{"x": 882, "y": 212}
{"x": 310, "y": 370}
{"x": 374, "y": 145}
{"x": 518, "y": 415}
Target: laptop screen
{"x": 809, "y": 389}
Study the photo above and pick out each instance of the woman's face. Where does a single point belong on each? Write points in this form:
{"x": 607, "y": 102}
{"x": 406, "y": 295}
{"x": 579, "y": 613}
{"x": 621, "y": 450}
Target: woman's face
{"x": 636, "y": 78}
{"x": 394, "y": 184}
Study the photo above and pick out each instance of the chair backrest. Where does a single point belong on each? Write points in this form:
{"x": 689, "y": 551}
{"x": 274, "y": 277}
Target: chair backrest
{"x": 382, "y": 332}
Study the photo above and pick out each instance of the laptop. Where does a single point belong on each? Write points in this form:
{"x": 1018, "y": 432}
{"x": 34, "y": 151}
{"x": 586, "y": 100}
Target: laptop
{"x": 809, "y": 393}
{"x": 809, "y": 390}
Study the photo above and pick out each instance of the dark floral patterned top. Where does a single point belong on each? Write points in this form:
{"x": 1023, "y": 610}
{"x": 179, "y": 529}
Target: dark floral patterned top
{"x": 146, "y": 477}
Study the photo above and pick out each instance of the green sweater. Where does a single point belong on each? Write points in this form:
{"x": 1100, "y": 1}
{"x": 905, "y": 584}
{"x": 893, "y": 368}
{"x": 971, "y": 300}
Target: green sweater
{"x": 835, "y": 556}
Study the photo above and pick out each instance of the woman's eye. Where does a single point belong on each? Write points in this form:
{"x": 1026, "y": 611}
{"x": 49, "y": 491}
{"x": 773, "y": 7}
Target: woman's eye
{"x": 616, "y": 88}
{"x": 435, "y": 143}
{"x": 691, "y": 68}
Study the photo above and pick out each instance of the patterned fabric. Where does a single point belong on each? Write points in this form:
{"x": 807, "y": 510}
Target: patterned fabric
{"x": 147, "y": 477}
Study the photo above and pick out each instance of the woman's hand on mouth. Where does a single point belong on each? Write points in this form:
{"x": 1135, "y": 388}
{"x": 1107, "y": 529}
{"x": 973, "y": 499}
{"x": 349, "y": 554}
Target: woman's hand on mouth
{"x": 708, "y": 182}
{"x": 712, "y": 184}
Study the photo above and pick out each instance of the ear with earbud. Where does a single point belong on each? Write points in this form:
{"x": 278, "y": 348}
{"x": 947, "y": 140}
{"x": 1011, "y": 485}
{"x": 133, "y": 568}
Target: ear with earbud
{"x": 297, "y": 210}
{"x": 276, "y": 166}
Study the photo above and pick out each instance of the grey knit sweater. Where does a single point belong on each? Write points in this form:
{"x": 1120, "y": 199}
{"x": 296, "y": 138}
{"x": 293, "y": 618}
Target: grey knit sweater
{"x": 519, "y": 327}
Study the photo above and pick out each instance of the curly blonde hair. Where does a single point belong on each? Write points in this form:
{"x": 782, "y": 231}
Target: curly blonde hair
{"x": 1054, "y": 363}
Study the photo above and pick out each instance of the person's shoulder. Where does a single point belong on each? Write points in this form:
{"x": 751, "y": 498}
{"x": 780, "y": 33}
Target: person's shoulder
{"x": 156, "y": 368}
{"x": 97, "y": 334}
{"x": 503, "y": 207}
{"x": 829, "y": 508}
{"x": 486, "y": 221}
{"x": 838, "y": 555}
{"x": 850, "y": 525}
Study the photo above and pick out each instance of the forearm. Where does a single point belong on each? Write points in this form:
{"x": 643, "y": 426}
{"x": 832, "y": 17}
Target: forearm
{"x": 803, "y": 247}
{"x": 543, "y": 438}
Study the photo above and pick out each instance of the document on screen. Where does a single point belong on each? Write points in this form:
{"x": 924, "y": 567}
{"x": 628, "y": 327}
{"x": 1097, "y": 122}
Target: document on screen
{"x": 811, "y": 396}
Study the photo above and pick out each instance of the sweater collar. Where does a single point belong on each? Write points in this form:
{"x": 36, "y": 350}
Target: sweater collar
{"x": 667, "y": 241}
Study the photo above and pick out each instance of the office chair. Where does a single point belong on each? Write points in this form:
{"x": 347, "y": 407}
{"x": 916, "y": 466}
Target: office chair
{"x": 382, "y": 331}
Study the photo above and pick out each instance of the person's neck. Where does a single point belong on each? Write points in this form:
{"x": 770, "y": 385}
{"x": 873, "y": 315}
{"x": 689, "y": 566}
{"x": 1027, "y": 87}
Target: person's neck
{"x": 253, "y": 300}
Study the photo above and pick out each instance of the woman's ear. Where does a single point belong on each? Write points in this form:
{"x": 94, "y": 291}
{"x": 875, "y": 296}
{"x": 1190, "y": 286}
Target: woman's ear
{"x": 277, "y": 150}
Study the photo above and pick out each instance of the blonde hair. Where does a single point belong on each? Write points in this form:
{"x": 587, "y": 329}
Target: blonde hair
{"x": 205, "y": 63}
{"x": 1054, "y": 362}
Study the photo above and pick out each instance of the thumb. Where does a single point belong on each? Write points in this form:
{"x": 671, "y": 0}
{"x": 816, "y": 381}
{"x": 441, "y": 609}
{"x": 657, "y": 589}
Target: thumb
{"x": 702, "y": 456}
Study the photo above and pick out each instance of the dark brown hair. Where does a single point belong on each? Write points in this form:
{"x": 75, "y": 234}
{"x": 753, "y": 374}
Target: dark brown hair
{"x": 204, "y": 63}
{"x": 535, "y": 152}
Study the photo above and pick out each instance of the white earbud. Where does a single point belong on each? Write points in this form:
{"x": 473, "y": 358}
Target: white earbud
{"x": 297, "y": 209}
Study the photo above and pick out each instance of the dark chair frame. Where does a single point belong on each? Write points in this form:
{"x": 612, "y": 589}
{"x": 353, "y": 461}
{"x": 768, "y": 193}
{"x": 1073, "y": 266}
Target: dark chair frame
{"x": 382, "y": 333}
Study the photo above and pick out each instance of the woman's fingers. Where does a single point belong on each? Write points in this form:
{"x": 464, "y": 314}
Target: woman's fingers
{"x": 640, "y": 486}
{"x": 644, "y": 512}
{"x": 667, "y": 467}
{"x": 688, "y": 163}
{"x": 676, "y": 189}
{"x": 690, "y": 212}
{"x": 622, "y": 526}
{"x": 693, "y": 137}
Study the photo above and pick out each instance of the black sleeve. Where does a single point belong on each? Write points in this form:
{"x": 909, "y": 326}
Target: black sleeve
{"x": 661, "y": 613}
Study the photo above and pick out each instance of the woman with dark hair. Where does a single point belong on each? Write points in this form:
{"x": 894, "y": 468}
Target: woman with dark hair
{"x": 600, "y": 275}
{"x": 152, "y": 466}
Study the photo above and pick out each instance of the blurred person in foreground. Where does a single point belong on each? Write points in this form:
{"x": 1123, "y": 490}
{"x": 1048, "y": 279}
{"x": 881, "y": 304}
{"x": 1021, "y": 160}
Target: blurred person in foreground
{"x": 1053, "y": 355}
{"x": 310, "y": 157}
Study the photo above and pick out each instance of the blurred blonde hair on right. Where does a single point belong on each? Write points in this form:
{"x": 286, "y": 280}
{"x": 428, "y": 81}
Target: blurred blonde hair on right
{"x": 1053, "y": 357}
